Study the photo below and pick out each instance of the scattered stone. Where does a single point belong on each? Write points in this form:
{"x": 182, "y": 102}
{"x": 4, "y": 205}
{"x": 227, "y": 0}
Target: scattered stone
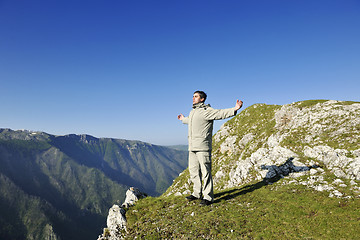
{"x": 338, "y": 181}
{"x": 352, "y": 183}
{"x": 336, "y": 193}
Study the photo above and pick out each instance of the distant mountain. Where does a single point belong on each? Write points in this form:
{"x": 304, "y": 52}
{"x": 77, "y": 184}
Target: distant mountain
{"x": 60, "y": 187}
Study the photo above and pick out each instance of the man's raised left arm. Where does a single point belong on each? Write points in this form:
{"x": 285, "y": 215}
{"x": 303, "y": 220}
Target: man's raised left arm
{"x": 217, "y": 114}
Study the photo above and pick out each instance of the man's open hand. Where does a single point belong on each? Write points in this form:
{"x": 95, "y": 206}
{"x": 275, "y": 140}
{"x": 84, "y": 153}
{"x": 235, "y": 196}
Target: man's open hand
{"x": 238, "y": 105}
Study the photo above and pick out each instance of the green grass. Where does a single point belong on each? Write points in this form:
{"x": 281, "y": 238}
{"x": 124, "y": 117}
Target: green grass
{"x": 254, "y": 211}
{"x": 309, "y": 103}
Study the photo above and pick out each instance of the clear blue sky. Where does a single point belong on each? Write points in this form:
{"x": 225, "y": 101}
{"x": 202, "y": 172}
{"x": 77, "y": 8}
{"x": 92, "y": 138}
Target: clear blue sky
{"x": 126, "y": 69}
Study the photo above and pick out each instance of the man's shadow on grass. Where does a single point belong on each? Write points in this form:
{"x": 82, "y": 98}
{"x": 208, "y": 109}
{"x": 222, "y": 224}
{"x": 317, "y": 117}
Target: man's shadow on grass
{"x": 274, "y": 174}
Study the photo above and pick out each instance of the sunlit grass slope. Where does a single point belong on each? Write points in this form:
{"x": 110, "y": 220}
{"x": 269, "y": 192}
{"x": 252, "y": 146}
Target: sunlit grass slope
{"x": 252, "y": 211}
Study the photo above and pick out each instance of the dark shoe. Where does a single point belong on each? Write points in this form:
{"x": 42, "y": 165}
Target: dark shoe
{"x": 205, "y": 202}
{"x": 191, "y": 198}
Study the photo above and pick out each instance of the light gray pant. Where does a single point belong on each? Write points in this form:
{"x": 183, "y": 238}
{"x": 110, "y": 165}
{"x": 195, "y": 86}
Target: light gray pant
{"x": 200, "y": 172}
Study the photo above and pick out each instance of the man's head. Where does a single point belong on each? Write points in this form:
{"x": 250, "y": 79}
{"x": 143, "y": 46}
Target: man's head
{"x": 199, "y": 96}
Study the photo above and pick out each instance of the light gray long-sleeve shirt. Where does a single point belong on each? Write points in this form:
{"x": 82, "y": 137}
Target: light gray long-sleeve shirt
{"x": 200, "y": 121}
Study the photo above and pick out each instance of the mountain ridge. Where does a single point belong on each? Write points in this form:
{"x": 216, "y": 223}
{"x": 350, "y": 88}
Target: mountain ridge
{"x": 78, "y": 177}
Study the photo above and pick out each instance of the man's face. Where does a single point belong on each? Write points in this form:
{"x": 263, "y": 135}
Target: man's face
{"x": 197, "y": 99}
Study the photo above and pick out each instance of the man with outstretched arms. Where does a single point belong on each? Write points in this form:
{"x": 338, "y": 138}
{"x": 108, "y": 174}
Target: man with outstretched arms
{"x": 200, "y": 126}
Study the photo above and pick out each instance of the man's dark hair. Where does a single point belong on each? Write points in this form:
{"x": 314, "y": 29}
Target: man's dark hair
{"x": 202, "y": 94}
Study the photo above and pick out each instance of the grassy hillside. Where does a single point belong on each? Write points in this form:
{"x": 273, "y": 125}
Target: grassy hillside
{"x": 320, "y": 133}
{"x": 280, "y": 172}
{"x": 251, "y": 211}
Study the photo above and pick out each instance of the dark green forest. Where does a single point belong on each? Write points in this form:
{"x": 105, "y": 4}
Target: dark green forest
{"x": 63, "y": 186}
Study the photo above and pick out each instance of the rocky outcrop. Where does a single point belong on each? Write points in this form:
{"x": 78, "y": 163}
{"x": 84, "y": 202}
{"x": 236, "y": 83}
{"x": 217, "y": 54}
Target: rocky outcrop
{"x": 304, "y": 143}
{"x": 116, "y": 224}
{"x": 132, "y": 196}
{"x": 116, "y": 220}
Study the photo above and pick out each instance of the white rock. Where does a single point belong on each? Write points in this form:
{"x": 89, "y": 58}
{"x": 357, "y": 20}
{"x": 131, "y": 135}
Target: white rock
{"x": 246, "y": 139}
{"x": 353, "y": 169}
{"x": 273, "y": 140}
{"x": 116, "y": 224}
{"x": 132, "y": 195}
{"x": 338, "y": 181}
{"x": 352, "y": 183}
{"x": 186, "y": 192}
{"x": 336, "y": 193}
{"x": 319, "y": 188}
{"x": 297, "y": 174}
{"x": 356, "y": 152}
{"x": 229, "y": 145}
{"x": 116, "y": 220}
{"x": 339, "y": 173}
